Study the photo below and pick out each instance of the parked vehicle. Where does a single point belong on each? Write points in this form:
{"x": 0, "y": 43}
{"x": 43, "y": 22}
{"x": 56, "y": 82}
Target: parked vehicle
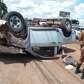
{"x": 75, "y": 24}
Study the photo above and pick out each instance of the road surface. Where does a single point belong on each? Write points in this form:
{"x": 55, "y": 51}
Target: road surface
{"x": 22, "y": 69}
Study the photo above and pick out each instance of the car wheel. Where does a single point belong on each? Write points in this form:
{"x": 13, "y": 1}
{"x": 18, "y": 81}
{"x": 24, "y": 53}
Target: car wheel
{"x": 67, "y": 30}
{"x": 16, "y": 24}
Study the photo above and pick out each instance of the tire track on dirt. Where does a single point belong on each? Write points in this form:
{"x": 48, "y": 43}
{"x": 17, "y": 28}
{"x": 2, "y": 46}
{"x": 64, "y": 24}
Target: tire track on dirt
{"x": 69, "y": 72}
{"x": 50, "y": 70}
{"x": 50, "y": 77}
{"x": 38, "y": 74}
{"x": 58, "y": 73}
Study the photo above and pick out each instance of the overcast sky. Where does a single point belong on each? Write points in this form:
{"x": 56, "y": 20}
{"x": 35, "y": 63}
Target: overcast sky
{"x": 47, "y": 8}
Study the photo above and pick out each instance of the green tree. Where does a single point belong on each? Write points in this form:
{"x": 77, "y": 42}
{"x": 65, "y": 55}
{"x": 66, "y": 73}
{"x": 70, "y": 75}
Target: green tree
{"x": 3, "y": 9}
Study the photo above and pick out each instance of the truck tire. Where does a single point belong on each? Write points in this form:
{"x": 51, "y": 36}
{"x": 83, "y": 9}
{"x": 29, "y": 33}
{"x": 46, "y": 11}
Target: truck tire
{"x": 67, "y": 28}
{"x": 16, "y": 24}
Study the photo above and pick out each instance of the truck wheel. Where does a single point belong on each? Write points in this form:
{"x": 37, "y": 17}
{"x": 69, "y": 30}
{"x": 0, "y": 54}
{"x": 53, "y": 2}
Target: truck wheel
{"x": 67, "y": 30}
{"x": 16, "y": 24}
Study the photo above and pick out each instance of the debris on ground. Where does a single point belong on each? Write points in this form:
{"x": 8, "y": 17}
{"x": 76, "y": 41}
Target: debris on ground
{"x": 69, "y": 67}
{"x": 69, "y": 60}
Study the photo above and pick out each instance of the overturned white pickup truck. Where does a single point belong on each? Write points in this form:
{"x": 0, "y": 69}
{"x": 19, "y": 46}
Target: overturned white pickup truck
{"x": 39, "y": 41}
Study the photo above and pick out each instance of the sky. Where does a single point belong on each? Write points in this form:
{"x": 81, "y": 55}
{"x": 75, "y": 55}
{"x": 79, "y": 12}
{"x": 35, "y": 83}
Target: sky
{"x": 47, "y": 8}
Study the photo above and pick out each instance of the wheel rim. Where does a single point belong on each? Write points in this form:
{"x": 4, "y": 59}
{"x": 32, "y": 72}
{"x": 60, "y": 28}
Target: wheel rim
{"x": 15, "y": 23}
{"x": 68, "y": 26}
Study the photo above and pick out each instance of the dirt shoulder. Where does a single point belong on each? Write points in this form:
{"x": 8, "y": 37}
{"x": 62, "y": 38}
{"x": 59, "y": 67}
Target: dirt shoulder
{"x": 22, "y": 69}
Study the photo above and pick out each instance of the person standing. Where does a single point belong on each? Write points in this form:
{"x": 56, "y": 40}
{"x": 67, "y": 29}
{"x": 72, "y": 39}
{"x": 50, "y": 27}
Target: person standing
{"x": 81, "y": 60}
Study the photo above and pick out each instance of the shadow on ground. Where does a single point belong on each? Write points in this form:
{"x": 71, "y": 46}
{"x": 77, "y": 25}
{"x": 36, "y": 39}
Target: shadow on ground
{"x": 9, "y": 58}
{"x": 69, "y": 50}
